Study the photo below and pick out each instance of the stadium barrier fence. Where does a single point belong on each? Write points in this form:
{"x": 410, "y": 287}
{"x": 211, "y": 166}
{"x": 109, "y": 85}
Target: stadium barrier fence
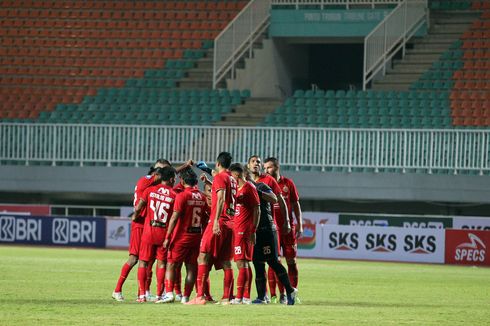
{"x": 401, "y": 150}
{"x": 323, "y": 236}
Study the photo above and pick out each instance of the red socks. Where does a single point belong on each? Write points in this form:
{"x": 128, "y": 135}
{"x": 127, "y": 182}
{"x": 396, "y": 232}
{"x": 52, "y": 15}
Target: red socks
{"x": 187, "y": 289}
{"x": 242, "y": 282}
{"x": 248, "y": 285}
{"x": 160, "y": 280}
{"x": 149, "y": 275}
{"x": 177, "y": 280}
{"x": 228, "y": 284}
{"x": 122, "y": 277}
{"x": 271, "y": 276}
{"x": 202, "y": 276}
{"x": 280, "y": 286}
{"x": 141, "y": 280}
{"x": 293, "y": 275}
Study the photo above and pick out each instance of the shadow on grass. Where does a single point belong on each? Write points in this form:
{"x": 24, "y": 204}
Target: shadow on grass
{"x": 327, "y": 303}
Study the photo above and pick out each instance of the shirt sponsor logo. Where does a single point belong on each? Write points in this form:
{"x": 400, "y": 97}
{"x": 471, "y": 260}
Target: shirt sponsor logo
{"x": 73, "y": 231}
{"x": 420, "y": 244}
{"x": 381, "y": 242}
{"x": 473, "y": 251}
{"x": 20, "y": 229}
{"x": 345, "y": 241}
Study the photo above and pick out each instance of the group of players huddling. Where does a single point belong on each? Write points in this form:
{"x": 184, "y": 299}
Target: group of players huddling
{"x": 244, "y": 213}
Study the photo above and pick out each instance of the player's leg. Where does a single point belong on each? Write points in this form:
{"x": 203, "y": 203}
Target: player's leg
{"x": 242, "y": 280}
{"x": 178, "y": 282}
{"x": 161, "y": 257}
{"x": 202, "y": 276}
{"x": 228, "y": 282}
{"x": 224, "y": 253}
{"x": 169, "y": 283}
{"x": 190, "y": 280}
{"x": 271, "y": 280}
{"x": 142, "y": 269}
{"x": 126, "y": 268}
{"x": 260, "y": 282}
{"x": 134, "y": 249}
{"x": 149, "y": 277}
{"x": 284, "y": 278}
{"x": 293, "y": 271}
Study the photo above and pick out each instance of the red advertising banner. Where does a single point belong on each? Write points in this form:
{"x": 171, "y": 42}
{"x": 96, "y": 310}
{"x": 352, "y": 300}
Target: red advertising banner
{"x": 467, "y": 247}
{"x": 24, "y": 209}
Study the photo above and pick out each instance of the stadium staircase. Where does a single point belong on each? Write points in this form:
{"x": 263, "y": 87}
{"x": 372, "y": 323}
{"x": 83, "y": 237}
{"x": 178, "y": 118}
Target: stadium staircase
{"x": 446, "y": 27}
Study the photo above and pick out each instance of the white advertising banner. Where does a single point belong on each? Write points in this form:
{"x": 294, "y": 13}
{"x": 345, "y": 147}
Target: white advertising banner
{"x": 378, "y": 243}
{"x": 311, "y": 243}
{"x": 117, "y": 233}
{"x": 471, "y": 223}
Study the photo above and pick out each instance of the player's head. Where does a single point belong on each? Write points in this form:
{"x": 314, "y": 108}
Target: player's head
{"x": 160, "y": 163}
{"x": 224, "y": 160}
{"x": 246, "y": 173}
{"x": 207, "y": 192}
{"x": 271, "y": 166}
{"x": 183, "y": 173}
{"x": 168, "y": 175}
{"x": 236, "y": 170}
{"x": 189, "y": 178}
{"x": 254, "y": 164}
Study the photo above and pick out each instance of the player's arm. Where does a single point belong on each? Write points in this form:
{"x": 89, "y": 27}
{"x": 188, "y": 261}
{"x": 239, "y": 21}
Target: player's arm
{"x": 256, "y": 219}
{"x": 138, "y": 209}
{"x": 266, "y": 194}
{"x": 184, "y": 166}
{"x": 220, "y": 203}
{"x": 170, "y": 228}
{"x": 204, "y": 178}
{"x": 286, "y": 228}
{"x": 299, "y": 218}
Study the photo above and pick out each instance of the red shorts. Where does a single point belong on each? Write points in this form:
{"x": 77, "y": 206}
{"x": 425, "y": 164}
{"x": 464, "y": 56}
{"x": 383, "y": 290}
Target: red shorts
{"x": 135, "y": 239}
{"x": 183, "y": 253}
{"x": 219, "y": 247}
{"x": 289, "y": 244}
{"x": 152, "y": 244}
{"x": 243, "y": 247}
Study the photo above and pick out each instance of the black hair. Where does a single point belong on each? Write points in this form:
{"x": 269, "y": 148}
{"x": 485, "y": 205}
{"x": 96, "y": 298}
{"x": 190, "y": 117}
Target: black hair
{"x": 224, "y": 159}
{"x": 236, "y": 167}
{"x": 251, "y": 157}
{"x": 273, "y": 160}
{"x": 166, "y": 172}
{"x": 161, "y": 161}
{"x": 189, "y": 177}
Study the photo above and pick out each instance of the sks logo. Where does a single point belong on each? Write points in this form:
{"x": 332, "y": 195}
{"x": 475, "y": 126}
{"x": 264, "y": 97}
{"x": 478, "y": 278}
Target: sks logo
{"x": 344, "y": 241}
{"x": 473, "y": 251}
{"x": 420, "y": 244}
{"x": 72, "y": 231}
{"x": 20, "y": 229}
{"x": 381, "y": 242}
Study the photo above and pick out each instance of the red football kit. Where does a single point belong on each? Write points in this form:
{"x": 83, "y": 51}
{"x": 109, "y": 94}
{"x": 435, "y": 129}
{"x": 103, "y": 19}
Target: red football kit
{"x": 246, "y": 202}
{"x": 290, "y": 193}
{"x": 220, "y": 247}
{"x": 138, "y": 224}
{"x": 179, "y": 188}
{"x": 159, "y": 207}
{"x": 184, "y": 242}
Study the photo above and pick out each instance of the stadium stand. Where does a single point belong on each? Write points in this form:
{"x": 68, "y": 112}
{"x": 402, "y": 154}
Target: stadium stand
{"x": 453, "y": 92}
{"x": 61, "y": 61}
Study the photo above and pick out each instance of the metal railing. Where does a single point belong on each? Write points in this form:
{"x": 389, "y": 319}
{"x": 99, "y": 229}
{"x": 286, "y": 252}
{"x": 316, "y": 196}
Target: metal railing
{"x": 403, "y": 149}
{"x": 391, "y": 36}
{"x": 238, "y": 38}
{"x": 298, "y": 4}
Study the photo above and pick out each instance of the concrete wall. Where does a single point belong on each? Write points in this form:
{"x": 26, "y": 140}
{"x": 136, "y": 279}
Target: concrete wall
{"x": 272, "y": 70}
{"x": 115, "y": 184}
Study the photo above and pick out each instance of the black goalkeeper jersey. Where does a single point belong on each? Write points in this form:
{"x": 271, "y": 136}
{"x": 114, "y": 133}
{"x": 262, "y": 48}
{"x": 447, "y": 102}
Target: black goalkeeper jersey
{"x": 266, "y": 221}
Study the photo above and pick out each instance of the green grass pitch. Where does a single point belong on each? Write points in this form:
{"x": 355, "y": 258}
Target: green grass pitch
{"x": 53, "y": 286}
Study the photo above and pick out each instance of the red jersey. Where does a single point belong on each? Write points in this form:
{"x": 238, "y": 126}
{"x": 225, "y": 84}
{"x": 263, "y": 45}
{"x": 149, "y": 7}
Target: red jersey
{"x": 142, "y": 184}
{"x": 159, "y": 207}
{"x": 191, "y": 204}
{"x": 247, "y": 200}
{"x": 179, "y": 188}
{"x": 290, "y": 194}
{"x": 225, "y": 181}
